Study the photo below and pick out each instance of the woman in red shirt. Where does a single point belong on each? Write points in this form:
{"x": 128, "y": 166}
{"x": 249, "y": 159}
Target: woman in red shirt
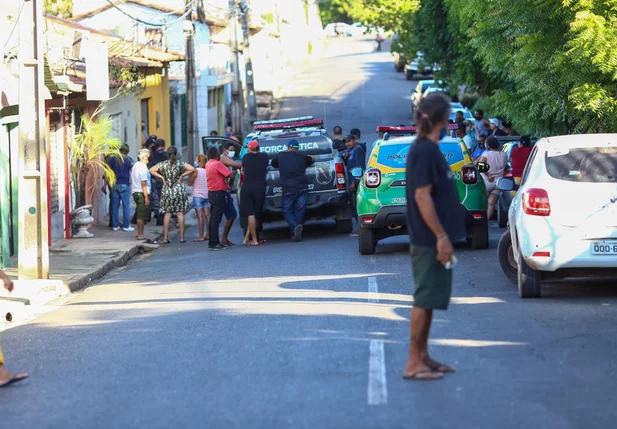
{"x": 519, "y": 156}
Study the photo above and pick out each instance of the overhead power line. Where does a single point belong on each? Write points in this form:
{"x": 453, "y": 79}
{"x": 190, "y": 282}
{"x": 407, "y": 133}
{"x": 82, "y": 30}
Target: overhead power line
{"x": 151, "y": 24}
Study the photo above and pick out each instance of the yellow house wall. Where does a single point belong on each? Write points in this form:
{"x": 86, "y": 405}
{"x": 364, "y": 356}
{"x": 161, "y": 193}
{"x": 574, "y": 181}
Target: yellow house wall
{"x": 157, "y": 94}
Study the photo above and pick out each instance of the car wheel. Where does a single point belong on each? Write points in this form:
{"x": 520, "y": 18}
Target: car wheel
{"x": 529, "y": 280}
{"x": 479, "y": 236}
{"x": 502, "y": 215}
{"x": 505, "y": 254}
{"x": 344, "y": 226}
{"x": 367, "y": 241}
{"x": 409, "y": 75}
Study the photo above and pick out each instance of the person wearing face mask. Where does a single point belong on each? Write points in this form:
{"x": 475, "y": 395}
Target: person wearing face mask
{"x": 434, "y": 223}
{"x": 229, "y": 134}
{"x": 227, "y": 158}
{"x": 480, "y": 149}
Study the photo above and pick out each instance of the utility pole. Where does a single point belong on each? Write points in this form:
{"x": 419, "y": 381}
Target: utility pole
{"x": 189, "y": 72}
{"x": 32, "y": 200}
{"x": 251, "y": 97}
{"x": 237, "y": 94}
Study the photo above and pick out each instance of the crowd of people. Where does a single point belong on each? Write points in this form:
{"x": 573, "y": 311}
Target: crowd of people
{"x": 480, "y": 137}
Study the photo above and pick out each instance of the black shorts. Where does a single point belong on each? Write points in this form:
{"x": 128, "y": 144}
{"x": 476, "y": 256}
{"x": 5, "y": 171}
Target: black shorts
{"x": 251, "y": 201}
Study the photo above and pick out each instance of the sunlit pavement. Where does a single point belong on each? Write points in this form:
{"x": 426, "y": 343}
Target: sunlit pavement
{"x": 311, "y": 334}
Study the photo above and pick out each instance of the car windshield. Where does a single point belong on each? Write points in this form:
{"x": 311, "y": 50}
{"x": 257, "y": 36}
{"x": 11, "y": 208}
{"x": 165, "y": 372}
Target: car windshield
{"x": 311, "y": 143}
{"x": 592, "y": 165}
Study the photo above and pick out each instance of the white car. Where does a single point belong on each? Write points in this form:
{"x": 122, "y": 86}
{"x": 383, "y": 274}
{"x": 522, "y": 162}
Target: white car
{"x": 336, "y": 29}
{"x": 563, "y": 220}
{"x": 355, "y": 29}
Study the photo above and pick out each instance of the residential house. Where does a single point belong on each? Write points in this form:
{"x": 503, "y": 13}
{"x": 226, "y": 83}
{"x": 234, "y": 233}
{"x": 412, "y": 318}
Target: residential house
{"x": 163, "y": 25}
{"x": 66, "y": 101}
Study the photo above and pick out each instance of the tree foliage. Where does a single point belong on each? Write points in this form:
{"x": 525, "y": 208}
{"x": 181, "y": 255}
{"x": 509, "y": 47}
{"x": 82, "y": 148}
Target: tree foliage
{"x": 548, "y": 65}
{"x": 61, "y": 8}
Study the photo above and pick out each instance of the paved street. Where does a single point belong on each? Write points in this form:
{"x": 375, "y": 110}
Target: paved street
{"x": 311, "y": 334}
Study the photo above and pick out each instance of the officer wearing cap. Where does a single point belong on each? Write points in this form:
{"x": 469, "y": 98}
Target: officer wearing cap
{"x": 253, "y": 194}
{"x": 292, "y": 169}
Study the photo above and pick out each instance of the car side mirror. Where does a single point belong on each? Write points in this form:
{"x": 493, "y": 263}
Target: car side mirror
{"x": 357, "y": 172}
{"x": 483, "y": 167}
{"x": 506, "y": 184}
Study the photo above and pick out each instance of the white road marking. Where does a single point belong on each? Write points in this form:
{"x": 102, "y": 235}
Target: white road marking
{"x": 377, "y": 391}
{"x": 373, "y": 291}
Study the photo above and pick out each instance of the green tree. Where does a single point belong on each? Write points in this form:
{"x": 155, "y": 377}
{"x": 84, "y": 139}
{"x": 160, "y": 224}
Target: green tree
{"x": 61, "y": 8}
{"x": 334, "y": 11}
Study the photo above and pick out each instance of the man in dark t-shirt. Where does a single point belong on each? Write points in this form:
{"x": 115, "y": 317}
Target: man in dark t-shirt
{"x": 253, "y": 193}
{"x": 435, "y": 221}
{"x": 292, "y": 169}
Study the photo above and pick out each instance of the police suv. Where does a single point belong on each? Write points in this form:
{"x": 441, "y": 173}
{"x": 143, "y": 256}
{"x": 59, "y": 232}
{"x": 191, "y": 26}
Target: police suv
{"x": 328, "y": 195}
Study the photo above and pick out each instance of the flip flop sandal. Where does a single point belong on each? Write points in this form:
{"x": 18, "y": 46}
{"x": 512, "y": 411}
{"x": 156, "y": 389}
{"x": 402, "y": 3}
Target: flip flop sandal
{"x": 262, "y": 241}
{"x": 182, "y": 241}
{"x": 434, "y": 375}
{"x": 441, "y": 367}
{"x": 16, "y": 378}
{"x": 196, "y": 240}
{"x": 167, "y": 242}
{"x": 140, "y": 239}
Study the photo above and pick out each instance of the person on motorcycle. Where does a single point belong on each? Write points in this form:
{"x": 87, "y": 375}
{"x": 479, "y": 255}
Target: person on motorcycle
{"x": 378, "y": 40}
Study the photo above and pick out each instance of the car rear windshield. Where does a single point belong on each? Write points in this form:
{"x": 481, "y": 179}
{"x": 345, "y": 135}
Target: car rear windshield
{"x": 593, "y": 165}
{"x": 311, "y": 143}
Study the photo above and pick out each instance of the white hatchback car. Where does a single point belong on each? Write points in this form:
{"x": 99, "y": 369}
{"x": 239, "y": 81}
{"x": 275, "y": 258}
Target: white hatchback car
{"x": 563, "y": 220}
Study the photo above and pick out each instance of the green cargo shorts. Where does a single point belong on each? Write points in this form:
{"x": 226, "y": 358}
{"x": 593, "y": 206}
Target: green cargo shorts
{"x": 432, "y": 281}
{"x": 142, "y": 211}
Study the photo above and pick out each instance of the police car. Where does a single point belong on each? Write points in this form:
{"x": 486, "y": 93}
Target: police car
{"x": 328, "y": 192}
{"x": 382, "y": 198}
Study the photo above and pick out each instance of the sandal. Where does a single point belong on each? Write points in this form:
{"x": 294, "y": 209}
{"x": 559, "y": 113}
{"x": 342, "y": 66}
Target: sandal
{"x": 15, "y": 379}
{"x": 440, "y": 367}
{"x": 424, "y": 374}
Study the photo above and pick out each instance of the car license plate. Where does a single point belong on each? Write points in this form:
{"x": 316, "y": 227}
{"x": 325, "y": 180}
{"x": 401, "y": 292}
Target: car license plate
{"x": 604, "y": 248}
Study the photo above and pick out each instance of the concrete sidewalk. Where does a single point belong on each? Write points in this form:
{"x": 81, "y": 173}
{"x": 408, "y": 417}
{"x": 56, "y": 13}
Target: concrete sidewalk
{"x": 73, "y": 264}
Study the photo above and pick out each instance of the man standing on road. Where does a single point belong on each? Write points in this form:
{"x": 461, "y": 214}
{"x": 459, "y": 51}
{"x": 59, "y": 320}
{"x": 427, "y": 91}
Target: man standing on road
{"x": 8, "y": 378}
{"x": 255, "y": 168}
{"x": 356, "y": 133}
{"x": 434, "y": 224}
{"x": 218, "y": 177}
{"x": 121, "y": 191}
{"x": 292, "y": 169}
{"x": 141, "y": 188}
{"x": 354, "y": 157}
{"x": 227, "y": 158}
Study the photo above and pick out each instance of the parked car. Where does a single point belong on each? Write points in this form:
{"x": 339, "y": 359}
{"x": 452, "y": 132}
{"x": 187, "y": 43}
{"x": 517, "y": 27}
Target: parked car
{"x": 418, "y": 93}
{"x": 328, "y": 192}
{"x": 563, "y": 220}
{"x": 382, "y": 200}
{"x": 418, "y": 66}
{"x": 355, "y": 29}
{"x": 399, "y": 61}
{"x": 336, "y": 29}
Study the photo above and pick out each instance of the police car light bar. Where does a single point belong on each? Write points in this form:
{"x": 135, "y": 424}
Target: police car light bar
{"x": 391, "y": 130}
{"x": 290, "y": 125}
{"x": 282, "y": 121}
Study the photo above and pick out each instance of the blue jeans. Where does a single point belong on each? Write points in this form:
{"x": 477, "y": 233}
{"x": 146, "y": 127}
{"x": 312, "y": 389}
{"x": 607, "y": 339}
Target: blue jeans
{"x": 122, "y": 193}
{"x": 294, "y": 206}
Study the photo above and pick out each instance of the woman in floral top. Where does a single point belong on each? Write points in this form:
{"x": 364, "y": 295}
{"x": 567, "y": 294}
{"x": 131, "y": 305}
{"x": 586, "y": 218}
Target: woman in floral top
{"x": 173, "y": 197}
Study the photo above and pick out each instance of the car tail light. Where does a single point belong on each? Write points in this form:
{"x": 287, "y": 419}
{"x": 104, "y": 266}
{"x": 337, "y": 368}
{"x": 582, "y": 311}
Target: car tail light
{"x": 340, "y": 175}
{"x": 469, "y": 175}
{"x": 372, "y": 178}
{"x": 536, "y": 202}
{"x": 542, "y": 254}
{"x": 368, "y": 219}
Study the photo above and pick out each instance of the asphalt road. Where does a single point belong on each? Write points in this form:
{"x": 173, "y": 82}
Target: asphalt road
{"x": 311, "y": 334}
